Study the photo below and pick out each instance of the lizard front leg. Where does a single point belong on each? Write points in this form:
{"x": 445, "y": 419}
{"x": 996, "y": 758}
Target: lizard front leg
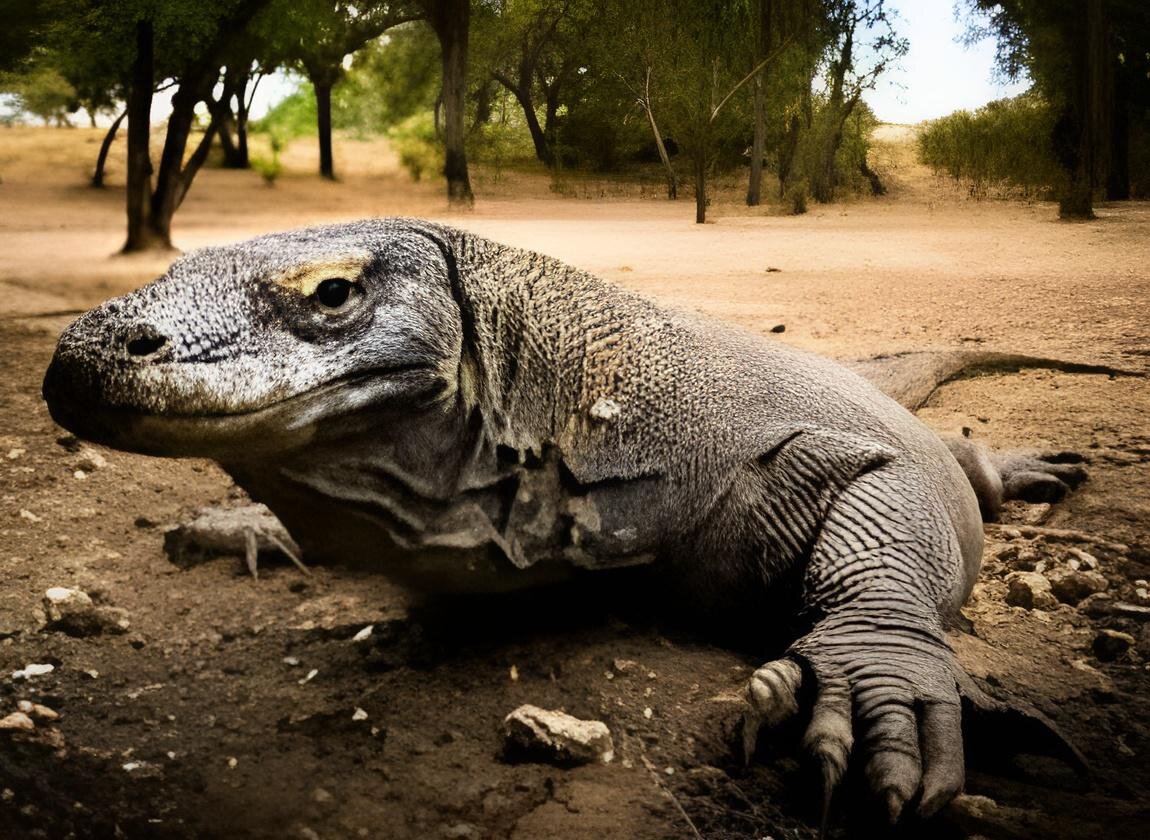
{"x": 884, "y": 566}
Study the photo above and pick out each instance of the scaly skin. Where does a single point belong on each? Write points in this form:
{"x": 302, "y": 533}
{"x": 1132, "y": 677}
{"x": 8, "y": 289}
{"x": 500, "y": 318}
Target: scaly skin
{"x": 477, "y": 417}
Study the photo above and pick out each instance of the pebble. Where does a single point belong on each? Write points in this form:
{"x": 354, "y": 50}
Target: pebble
{"x": 558, "y": 736}
{"x": 1111, "y": 644}
{"x": 364, "y": 634}
{"x": 1030, "y": 590}
{"x": 1071, "y": 586}
{"x": 35, "y": 669}
{"x": 36, "y": 711}
{"x": 72, "y": 611}
{"x": 17, "y": 722}
{"x": 89, "y": 460}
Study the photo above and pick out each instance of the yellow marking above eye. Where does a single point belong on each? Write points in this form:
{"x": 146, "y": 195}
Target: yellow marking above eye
{"x": 305, "y": 278}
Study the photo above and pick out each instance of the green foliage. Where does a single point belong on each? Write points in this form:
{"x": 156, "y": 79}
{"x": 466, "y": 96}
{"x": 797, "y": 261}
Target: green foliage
{"x": 269, "y": 168}
{"x": 417, "y": 145}
{"x": 293, "y": 116}
{"x": 796, "y": 197}
{"x": 43, "y": 92}
{"x": 391, "y": 79}
{"x": 1002, "y": 145}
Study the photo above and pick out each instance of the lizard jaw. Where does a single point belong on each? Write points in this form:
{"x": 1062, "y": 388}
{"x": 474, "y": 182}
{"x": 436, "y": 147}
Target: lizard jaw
{"x": 286, "y": 424}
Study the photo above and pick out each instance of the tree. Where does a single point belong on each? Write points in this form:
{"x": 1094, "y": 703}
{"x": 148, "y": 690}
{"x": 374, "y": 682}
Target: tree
{"x": 854, "y": 65}
{"x": 193, "y": 41}
{"x": 536, "y": 49}
{"x": 451, "y": 21}
{"x": 317, "y": 35}
{"x": 1088, "y": 59}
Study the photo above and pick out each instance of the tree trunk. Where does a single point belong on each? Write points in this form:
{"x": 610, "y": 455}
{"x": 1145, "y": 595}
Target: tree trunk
{"x": 243, "y": 157}
{"x": 758, "y": 142}
{"x": 105, "y": 147}
{"x": 139, "y": 111}
{"x": 451, "y": 20}
{"x": 1076, "y": 133}
{"x": 758, "y": 145}
{"x": 522, "y": 93}
{"x": 788, "y": 152}
{"x": 323, "y": 88}
{"x": 700, "y": 188}
{"x": 672, "y": 182}
{"x": 1118, "y": 163}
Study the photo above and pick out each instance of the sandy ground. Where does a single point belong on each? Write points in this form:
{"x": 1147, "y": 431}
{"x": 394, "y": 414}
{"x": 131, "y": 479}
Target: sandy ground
{"x": 200, "y": 719}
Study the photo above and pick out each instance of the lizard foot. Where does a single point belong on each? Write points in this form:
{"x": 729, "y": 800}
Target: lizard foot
{"x": 1044, "y": 477}
{"x": 245, "y": 530}
{"x": 887, "y": 682}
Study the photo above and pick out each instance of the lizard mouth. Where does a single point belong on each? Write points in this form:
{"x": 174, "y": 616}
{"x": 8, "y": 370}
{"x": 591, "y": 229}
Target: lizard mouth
{"x": 285, "y": 424}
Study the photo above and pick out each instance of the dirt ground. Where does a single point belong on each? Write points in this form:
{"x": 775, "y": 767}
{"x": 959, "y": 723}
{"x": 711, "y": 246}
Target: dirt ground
{"x": 239, "y": 708}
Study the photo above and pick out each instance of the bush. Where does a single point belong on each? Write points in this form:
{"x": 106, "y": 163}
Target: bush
{"x": 1003, "y": 145}
{"x": 270, "y": 168}
{"x": 419, "y": 150}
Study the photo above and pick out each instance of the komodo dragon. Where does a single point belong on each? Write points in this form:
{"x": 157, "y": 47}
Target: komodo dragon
{"x": 480, "y": 417}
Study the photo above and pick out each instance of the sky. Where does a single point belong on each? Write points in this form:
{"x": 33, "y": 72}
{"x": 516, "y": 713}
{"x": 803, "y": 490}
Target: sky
{"x": 939, "y": 75}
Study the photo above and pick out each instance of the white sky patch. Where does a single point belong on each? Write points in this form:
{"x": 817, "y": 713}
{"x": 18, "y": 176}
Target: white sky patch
{"x": 939, "y": 75}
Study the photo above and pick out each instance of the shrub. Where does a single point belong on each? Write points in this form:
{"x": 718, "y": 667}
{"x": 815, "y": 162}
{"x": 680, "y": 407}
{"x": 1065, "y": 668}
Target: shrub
{"x": 1004, "y": 145}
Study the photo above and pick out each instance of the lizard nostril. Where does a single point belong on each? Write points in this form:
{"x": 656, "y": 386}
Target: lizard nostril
{"x": 145, "y": 345}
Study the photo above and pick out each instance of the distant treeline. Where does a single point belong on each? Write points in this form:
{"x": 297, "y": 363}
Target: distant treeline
{"x": 1007, "y": 147}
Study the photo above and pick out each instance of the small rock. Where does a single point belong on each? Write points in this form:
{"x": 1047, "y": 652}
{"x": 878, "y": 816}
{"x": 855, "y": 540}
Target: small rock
{"x": 1111, "y": 644}
{"x": 321, "y": 795}
{"x": 359, "y": 714}
{"x": 36, "y": 711}
{"x": 364, "y": 634}
{"x": 558, "y": 736}
{"x": 90, "y": 460}
{"x": 1097, "y": 605}
{"x": 1071, "y": 586}
{"x": 35, "y": 669}
{"x": 1134, "y": 611}
{"x": 1085, "y": 560}
{"x": 144, "y": 522}
{"x": 17, "y": 722}
{"x": 460, "y": 831}
{"x": 1030, "y": 590}
{"x": 779, "y": 328}
{"x": 72, "y": 611}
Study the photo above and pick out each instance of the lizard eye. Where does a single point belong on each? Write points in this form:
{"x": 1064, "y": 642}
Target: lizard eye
{"x": 334, "y": 293}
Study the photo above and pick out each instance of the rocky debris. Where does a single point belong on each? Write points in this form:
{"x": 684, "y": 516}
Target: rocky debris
{"x": 73, "y": 611}
{"x": 557, "y": 736}
{"x": 34, "y": 669}
{"x": 37, "y": 711}
{"x": 1030, "y": 590}
{"x": 1070, "y": 586}
{"x": 17, "y": 722}
{"x": 89, "y": 460}
{"x": 1110, "y": 645}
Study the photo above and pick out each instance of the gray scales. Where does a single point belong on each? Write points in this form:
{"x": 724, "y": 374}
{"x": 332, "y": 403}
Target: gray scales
{"x": 475, "y": 417}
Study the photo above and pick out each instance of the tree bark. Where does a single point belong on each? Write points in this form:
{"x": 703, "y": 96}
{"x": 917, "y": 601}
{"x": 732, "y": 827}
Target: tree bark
{"x": 1118, "y": 163}
{"x": 1076, "y": 133}
{"x": 522, "y": 92}
{"x": 451, "y": 20}
{"x": 323, "y": 88}
{"x": 758, "y": 142}
{"x": 105, "y": 147}
{"x": 700, "y": 188}
{"x": 140, "y": 235}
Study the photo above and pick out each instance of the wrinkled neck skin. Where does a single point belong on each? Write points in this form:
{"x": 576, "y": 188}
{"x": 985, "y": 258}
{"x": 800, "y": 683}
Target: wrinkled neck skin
{"x": 466, "y": 489}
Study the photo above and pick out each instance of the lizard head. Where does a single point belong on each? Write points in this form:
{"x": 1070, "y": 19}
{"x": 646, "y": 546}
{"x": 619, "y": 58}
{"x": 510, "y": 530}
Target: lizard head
{"x": 252, "y": 346}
